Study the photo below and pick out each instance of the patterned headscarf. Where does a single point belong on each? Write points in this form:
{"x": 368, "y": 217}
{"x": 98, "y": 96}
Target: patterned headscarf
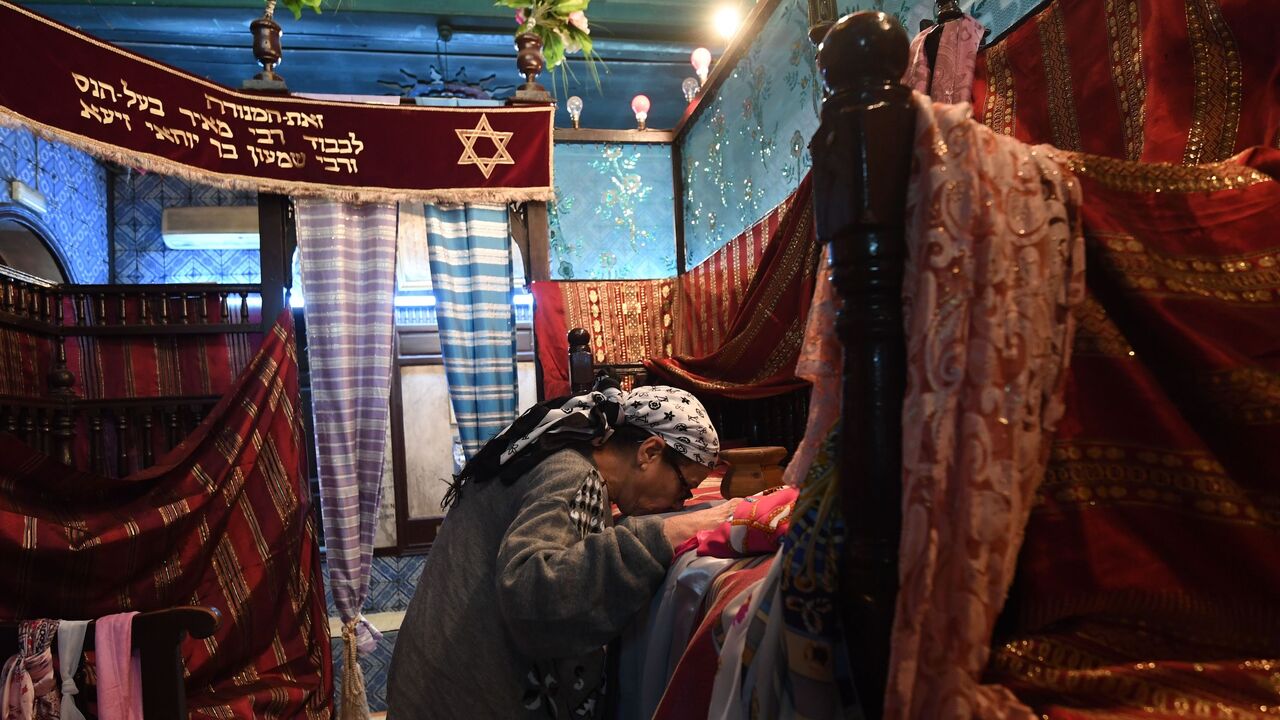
{"x": 670, "y": 413}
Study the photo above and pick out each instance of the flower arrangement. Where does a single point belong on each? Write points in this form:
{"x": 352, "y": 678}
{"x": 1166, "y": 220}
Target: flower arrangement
{"x": 295, "y": 6}
{"x": 562, "y": 27}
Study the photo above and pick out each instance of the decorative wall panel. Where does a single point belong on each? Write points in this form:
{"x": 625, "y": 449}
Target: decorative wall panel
{"x": 141, "y": 255}
{"x": 614, "y": 215}
{"x": 75, "y": 186}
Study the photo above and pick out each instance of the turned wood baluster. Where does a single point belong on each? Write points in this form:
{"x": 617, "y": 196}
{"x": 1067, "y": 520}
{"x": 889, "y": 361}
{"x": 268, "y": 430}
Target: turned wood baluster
{"x": 174, "y": 433}
{"x": 164, "y": 308}
{"x": 123, "y": 437}
{"x": 186, "y": 310}
{"x": 144, "y": 308}
{"x": 97, "y": 454}
{"x": 101, "y": 305}
{"x": 5, "y": 287}
{"x": 148, "y": 449}
{"x": 861, "y": 163}
{"x": 244, "y": 307}
{"x": 62, "y": 388}
{"x": 204, "y": 308}
{"x": 123, "y": 308}
{"x": 222, "y": 308}
{"x": 43, "y": 431}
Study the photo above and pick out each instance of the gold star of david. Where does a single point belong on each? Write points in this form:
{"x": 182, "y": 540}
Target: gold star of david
{"x": 484, "y": 130}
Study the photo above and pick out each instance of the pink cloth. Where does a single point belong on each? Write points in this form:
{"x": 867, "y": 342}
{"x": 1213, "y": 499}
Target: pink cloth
{"x": 119, "y": 668}
{"x": 757, "y": 527}
{"x": 952, "y": 80}
{"x": 820, "y": 362}
{"x": 995, "y": 264}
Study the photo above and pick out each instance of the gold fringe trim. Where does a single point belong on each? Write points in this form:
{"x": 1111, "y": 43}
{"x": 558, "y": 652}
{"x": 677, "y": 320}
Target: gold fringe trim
{"x": 353, "y": 703}
{"x": 339, "y": 193}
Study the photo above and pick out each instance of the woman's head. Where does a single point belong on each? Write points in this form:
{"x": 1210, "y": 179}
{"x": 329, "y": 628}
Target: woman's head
{"x": 644, "y": 474}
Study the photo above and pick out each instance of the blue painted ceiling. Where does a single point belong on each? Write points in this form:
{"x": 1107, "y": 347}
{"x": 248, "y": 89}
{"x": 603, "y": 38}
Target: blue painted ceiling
{"x": 380, "y": 47}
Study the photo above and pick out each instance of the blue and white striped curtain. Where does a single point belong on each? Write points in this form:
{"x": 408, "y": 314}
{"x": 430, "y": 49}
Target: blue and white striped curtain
{"x": 470, "y": 250}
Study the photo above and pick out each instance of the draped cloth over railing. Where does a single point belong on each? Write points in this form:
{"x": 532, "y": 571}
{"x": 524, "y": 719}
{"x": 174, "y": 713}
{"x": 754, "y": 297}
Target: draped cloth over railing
{"x": 224, "y": 520}
{"x": 1147, "y": 584}
{"x": 995, "y": 262}
{"x": 470, "y": 249}
{"x": 348, "y": 279}
{"x": 757, "y": 357}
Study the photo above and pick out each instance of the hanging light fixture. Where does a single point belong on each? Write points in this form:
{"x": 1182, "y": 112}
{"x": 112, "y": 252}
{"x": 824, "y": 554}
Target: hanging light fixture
{"x": 574, "y": 106}
{"x": 690, "y": 88}
{"x": 700, "y": 59}
{"x": 640, "y": 106}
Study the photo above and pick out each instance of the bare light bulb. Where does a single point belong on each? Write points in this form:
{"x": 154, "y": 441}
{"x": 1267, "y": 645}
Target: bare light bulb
{"x": 690, "y": 88}
{"x": 701, "y": 62}
{"x": 574, "y": 106}
{"x": 727, "y": 20}
{"x": 640, "y": 106}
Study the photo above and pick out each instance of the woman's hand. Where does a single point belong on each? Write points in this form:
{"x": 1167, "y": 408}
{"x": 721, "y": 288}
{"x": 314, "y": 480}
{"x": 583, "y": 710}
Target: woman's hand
{"x": 683, "y": 526}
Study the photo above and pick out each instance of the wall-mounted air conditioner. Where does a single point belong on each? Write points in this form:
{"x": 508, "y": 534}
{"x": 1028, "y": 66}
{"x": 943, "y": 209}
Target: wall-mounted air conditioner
{"x": 210, "y": 228}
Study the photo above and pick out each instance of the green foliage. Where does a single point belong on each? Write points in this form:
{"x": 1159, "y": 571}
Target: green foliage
{"x": 295, "y": 6}
{"x": 562, "y": 27}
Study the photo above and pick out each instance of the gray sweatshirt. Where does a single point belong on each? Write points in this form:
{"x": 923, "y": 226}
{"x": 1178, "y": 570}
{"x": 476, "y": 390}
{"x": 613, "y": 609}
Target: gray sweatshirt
{"x": 514, "y": 604}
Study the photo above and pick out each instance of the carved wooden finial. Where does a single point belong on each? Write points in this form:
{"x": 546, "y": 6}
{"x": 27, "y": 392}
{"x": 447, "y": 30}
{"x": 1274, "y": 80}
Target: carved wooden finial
{"x": 863, "y": 50}
{"x": 948, "y": 10}
{"x": 581, "y": 366}
{"x": 529, "y": 62}
{"x": 267, "y": 50}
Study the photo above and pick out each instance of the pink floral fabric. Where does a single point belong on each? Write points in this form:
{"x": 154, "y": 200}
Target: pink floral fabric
{"x": 952, "y": 80}
{"x": 28, "y": 687}
{"x": 995, "y": 263}
{"x": 757, "y": 526}
{"x": 820, "y": 362}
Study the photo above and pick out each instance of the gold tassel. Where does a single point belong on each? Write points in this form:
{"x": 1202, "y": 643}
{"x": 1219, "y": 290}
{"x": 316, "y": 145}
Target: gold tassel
{"x": 354, "y": 705}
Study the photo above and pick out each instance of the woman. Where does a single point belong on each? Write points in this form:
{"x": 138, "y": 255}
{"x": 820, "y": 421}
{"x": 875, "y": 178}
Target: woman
{"x": 530, "y": 577}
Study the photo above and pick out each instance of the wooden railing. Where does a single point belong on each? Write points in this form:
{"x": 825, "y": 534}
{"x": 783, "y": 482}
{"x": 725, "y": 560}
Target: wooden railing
{"x": 45, "y": 402}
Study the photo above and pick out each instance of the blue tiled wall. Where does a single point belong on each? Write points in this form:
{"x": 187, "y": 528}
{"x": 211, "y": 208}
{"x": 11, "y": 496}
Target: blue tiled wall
{"x": 614, "y": 214}
{"x": 141, "y": 255}
{"x": 75, "y": 186}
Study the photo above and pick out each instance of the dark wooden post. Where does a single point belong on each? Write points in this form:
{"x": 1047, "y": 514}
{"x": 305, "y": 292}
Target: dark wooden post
{"x": 274, "y": 229}
{"x": 861, "y": 162}
{"x": 582, "y": 369}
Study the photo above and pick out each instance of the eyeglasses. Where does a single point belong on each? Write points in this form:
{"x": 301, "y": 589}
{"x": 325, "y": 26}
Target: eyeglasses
{"x": 680, "y": 475}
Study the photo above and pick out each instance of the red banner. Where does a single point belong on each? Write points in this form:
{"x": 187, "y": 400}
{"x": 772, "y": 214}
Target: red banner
{"x": 116, "y": 105}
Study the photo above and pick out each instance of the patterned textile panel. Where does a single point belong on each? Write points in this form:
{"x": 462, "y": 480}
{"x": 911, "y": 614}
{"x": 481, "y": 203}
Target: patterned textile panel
{"x": 629, "y": 320}
{"x": 222, "y": 521}
{"x": 1180, "y": 81}
{"x": 1159, "y": 515}
{"x": 710, "y": 294}
{"x": 24, "y": 363}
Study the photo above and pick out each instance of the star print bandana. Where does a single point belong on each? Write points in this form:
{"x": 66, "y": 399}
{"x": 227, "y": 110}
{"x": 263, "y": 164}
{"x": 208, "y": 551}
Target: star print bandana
{"x": 670, "y": 413}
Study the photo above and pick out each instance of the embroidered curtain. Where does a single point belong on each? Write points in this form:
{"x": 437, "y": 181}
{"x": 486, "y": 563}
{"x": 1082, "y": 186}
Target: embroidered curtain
{"x": 470, "y": 249}
{"x": 348, "y": 279}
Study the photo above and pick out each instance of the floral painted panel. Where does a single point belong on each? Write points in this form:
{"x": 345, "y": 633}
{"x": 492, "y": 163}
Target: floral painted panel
{"x": 996, "y": 15}
{"x": 749, "y": 147}
{"x": 614, "y": 213}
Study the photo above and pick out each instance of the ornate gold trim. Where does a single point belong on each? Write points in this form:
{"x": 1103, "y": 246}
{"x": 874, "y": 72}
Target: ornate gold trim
{"x": 1124, "y": 32}
{"x": 1057, "y": 68}
{"x": 1082, "y": 473}
{"x": 1252, "y": 279}
{"x": 998, "y": 111}
{"x": 1131, "y": 176}
{"x": 1218, "y": 84}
